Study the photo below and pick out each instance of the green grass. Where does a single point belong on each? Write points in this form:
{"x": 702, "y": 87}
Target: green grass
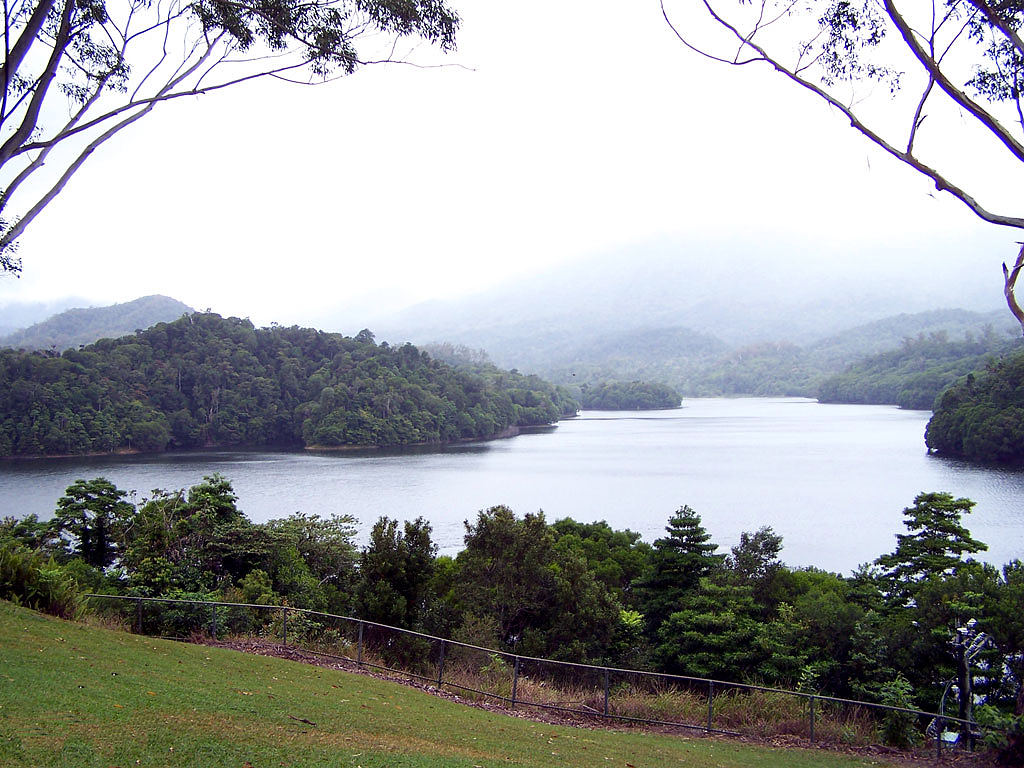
{"x": 75, "y": 695}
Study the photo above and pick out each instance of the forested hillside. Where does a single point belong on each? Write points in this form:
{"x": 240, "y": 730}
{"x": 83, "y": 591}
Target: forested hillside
{"x": 697, "y": 364}
{"x": 981, "y": 417}
{"x": 75, "y": 327}
{"x": 206, "y": 381}
{"x": 913, "y": 375}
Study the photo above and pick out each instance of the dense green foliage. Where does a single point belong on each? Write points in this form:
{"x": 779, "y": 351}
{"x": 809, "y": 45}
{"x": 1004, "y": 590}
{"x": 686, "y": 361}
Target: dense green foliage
{"x": 30, "y": 578}
{"x": 913, "y": 375}
{"x": 568, "y": 590}
{"x": 628, "y": 396}
{"x": 75, "y": 327}
{"x": 205, "y": 380}
{"x": 981, "y": 417}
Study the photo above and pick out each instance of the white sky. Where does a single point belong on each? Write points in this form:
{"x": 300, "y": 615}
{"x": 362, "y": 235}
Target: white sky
{"x": 581, "y": 127}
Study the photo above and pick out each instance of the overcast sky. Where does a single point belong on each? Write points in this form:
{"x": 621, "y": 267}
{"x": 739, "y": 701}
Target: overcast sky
{"x": 571, "y": 128}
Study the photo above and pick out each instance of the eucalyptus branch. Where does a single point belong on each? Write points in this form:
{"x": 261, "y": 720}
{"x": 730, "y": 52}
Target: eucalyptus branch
{"x": 997, "y": 22}
{"x": 40, "y": 159}
{"x": 918, "y": 119}
{"x": 957, "y": 95}
{"x": 31, "y": 116}
{"x": 29, "y": 35}
{"x": 939, "y": 179}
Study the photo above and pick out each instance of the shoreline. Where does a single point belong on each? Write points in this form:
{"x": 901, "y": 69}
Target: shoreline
{"x": 507, "y": 433}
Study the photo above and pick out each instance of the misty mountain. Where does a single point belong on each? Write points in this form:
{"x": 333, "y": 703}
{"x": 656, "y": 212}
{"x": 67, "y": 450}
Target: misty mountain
{"x": 890, "y": 332}
{"x": 16, "y": 315}
{"x": 738, "y": 292}
{"x": 75, "y": 327}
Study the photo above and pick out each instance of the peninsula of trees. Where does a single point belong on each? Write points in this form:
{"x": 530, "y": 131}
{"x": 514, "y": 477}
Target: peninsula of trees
{"x": 208, "y": 381}
{"x": 981, "y": 417}
{"x": 629, "y": 396}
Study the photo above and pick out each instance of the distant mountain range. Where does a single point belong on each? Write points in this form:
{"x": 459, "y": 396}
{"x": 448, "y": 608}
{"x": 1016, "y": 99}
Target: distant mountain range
{"x": 762, "y": 319}
{"x": 74, "y": 327}
{"x": 772, "y": 320}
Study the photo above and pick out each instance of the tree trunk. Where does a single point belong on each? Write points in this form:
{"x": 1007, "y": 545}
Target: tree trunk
{"x": 1009, "y": 282}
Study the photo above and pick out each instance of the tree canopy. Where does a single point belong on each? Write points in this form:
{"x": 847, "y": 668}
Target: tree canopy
{"x": 205, "y": 381}
{"x": 899, "y": 72}
{"x": 981, "y": 416}
{"x": 104, "y": 64}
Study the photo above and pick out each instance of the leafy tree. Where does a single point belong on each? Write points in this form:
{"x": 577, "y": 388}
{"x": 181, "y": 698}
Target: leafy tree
{"x": 616, "y": 558}
{"x": 504, "y": 571}
{"x": 31, "y": 533}
{"x": 93, "y": 513}
{"x": 963, "y": 59}
{"x": 677, "y": 564}
{"x": 928, "y": 589}
{"x": 715, "y": 632}
{"x": 326, "y": 548}
{"x": 541, "y": 599}
{"x": 198, "y": 541}
{"x": 755, "y": 563}
{"x": 395, "y": 572}
{"x": 110, "y": 64}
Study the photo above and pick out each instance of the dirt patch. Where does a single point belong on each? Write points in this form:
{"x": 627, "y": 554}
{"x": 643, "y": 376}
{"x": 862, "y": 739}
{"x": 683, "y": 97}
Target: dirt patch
{"x": 920, "y": 757}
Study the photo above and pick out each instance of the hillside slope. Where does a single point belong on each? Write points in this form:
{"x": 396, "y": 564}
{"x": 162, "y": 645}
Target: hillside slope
{"x": 75, "y": 327}
{"x": 77, "y": 695}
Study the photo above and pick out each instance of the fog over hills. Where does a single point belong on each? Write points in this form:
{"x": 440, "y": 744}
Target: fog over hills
{"x": 16, "y": 315}
{"x": 741, "y": 292}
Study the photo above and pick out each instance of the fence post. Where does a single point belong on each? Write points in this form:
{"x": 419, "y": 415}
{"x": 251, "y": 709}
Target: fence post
{"x": 213, "y": 621}
{"x": 812, "y": 719}
{"x": 606, "y": 691}
{"x": 440, "y": 665}
{"x": 938, "y": 737}
{"x": 515, "y": 682}
{"x": 358, "y": 648}
{"x": 711, "y": 702}
{"x": 284, "y": 625}
{"x": 138, "y": 616}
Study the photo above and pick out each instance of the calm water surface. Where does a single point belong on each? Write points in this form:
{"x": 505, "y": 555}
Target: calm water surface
{"x": 832, "y": 479}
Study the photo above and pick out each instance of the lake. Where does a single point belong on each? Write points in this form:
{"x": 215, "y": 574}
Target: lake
{"x": 832, "y": 479}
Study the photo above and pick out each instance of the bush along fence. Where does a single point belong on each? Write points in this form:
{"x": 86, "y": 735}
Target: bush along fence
{"x": 623, "y": 695}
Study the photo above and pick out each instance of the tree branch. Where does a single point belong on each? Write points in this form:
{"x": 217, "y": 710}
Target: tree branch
{"x": 28, "y": 36}
{"x": 1009, "y": 283}
{"x": 28, "y": 122}
{"x": 982, "y": 115}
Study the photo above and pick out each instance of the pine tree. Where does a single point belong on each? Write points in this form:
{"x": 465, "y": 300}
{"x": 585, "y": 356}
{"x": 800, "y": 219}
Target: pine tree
{"x": 678, "y": 563}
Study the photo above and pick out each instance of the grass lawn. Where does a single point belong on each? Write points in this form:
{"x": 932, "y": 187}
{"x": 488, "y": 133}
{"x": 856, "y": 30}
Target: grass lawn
{"x": 73, "y": 695}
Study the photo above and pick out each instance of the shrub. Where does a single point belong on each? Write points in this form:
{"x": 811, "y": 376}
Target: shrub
{"x": 898, "y": 728}
{"x": 34, "y": 581}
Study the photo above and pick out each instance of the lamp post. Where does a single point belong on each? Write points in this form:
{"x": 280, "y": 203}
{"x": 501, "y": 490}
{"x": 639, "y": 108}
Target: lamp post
{"x": 967, "y": 643}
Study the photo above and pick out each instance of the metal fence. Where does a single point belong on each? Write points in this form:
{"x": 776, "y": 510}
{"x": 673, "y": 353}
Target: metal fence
{"x": 474, "y": 672}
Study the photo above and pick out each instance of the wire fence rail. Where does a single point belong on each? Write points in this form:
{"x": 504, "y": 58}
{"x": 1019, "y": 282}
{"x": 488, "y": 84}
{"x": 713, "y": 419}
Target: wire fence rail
{"x": 623, "y": 695}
